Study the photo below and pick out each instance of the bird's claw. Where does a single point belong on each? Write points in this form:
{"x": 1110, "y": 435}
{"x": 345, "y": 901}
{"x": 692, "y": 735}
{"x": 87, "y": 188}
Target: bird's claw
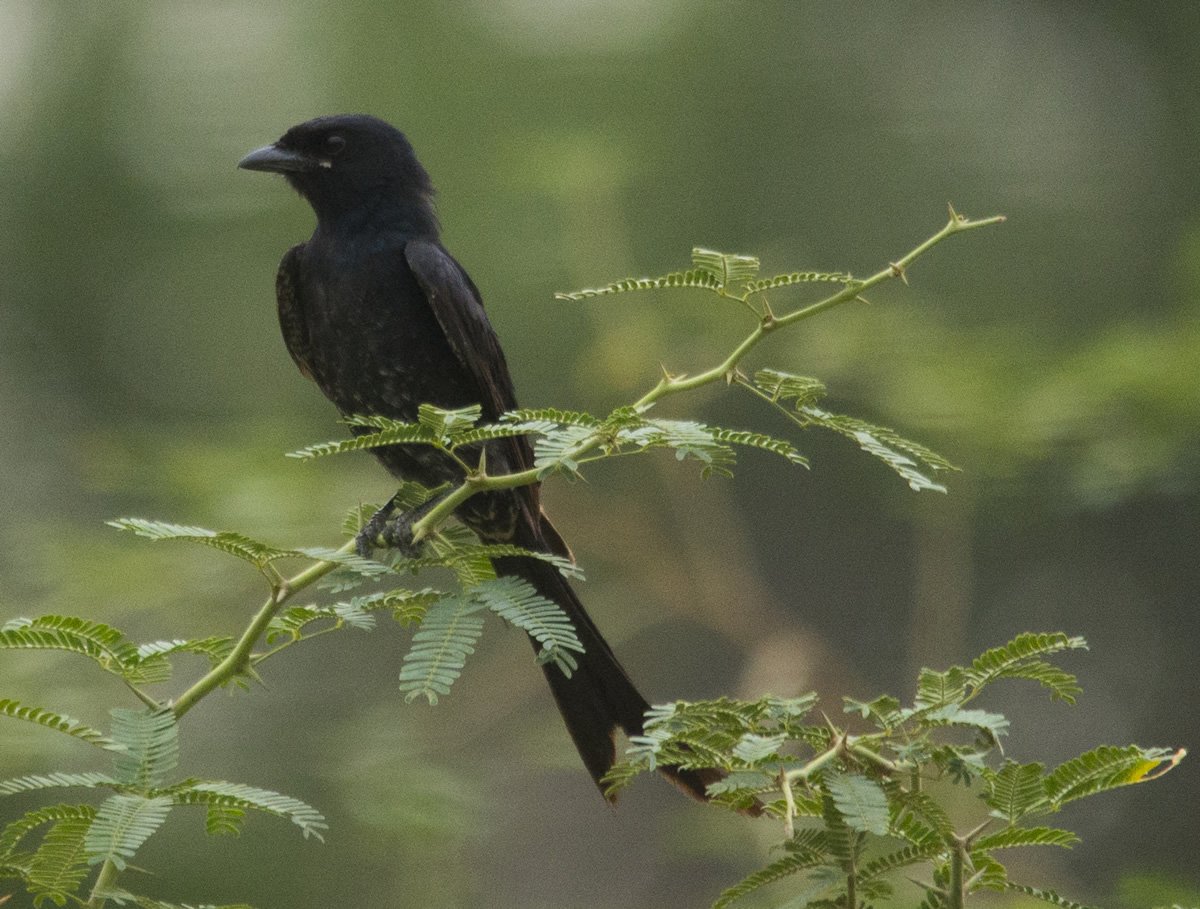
{"x": 389, "y": 532}
{"x": 398, "y": 534}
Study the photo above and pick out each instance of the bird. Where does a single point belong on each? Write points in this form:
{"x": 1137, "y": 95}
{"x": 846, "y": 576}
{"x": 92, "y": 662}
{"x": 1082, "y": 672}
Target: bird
{"x": 383, "y": 319}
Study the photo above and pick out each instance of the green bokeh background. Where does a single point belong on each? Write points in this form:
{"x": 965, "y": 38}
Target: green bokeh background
{"x": 1056, "y": 359}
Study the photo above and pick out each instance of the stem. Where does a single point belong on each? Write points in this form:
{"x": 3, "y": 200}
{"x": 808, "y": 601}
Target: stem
{"x": 104, "y": 880}
{"x": 667, "y": 385}
{"x": 142, "y": 696}
{"x": 958, "y": 860}
{"x": 789, "y": 824}
{"x": 825, "y": 757}
{"x": 867, "y": 755}
{"x": 238, "y": 661}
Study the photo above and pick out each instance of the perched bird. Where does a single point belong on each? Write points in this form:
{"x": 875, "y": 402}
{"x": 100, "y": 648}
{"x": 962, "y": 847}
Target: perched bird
{"x": 383, "y": 319}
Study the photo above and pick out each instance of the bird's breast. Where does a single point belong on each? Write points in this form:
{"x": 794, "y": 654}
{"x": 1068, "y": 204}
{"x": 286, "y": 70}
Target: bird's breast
{"x": 375, "y": 345}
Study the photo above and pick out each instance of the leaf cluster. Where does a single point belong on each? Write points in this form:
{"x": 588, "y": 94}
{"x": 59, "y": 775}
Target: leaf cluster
{"x": 857, "y": 808}
{"x": 52, "y": 849}
{"x": 105, "y": 646}
{"x": 726, "y": 274}
{"x": 902, "y": 455}
{"x": 863, "y": 796}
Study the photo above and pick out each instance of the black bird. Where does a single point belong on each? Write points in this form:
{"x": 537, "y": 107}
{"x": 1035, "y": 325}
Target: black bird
{"x": 383, "y": 319}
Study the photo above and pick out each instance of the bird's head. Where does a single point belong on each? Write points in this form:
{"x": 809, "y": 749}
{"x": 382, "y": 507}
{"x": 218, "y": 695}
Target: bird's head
{"x": 352, "y": 166}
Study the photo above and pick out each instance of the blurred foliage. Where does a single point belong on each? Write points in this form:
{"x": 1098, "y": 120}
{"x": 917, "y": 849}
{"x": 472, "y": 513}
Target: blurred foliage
{"x": 142, "y": 371}
{"x": 880, "y": 804}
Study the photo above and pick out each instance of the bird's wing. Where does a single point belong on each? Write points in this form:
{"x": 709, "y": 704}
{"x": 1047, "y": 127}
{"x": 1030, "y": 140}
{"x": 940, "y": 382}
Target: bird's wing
{"x": 291, "y": 312}
{"x": 456, "y": 304}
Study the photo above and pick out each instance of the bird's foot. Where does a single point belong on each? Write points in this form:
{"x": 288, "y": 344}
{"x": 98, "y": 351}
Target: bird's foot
{"x": 389, "y": 530}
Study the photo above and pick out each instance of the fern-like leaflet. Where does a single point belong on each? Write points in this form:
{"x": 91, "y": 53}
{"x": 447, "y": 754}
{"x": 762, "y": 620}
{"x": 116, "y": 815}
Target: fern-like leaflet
{"x": 440, "y": 649}
{"x": 57, "y": 722}
{"x": 122, "y": 824}
{"x": 58, "y": 867}
{"x": 229, "y": 800}
{"x": 515, "y": 601}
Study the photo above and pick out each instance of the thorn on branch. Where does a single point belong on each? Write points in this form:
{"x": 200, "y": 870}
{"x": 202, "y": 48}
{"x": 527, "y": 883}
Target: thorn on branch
{"x": 898, "y": 272}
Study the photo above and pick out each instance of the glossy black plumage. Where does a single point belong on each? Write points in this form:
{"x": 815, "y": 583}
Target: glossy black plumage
{"x": 383, "y": 319}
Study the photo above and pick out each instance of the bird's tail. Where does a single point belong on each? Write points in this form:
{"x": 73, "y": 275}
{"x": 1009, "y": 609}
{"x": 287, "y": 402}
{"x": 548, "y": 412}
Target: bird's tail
{"x": 599, "y": 697}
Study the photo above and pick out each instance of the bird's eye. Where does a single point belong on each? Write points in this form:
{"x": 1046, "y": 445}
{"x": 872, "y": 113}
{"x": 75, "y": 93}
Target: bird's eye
{"x": 334, "y": 145}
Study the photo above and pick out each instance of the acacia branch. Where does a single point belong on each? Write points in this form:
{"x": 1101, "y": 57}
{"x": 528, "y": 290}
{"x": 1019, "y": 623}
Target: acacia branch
{"x": 238, "y": 661}
{"x": 724, "y": 371}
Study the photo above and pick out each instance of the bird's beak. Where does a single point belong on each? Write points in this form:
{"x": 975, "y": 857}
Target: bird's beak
{"x": 277, "y": 160}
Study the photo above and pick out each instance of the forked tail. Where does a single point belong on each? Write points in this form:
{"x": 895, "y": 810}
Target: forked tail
{"x": 599, "y": 697}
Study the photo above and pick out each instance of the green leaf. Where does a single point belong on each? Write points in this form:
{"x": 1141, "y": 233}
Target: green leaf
{"x": 938, "y": 689}
{"x": 215, "y": 648}
{"x": 930, "y": 811}
{"x": 15, "y": 831}
{"x": 120, "y": 896}
{"x": 845, "y": 842}
{"x": 1104, "y": 768}
{"x": 243, "y": 547}
{"x": 456, "y": 549}
{"x": 758, "y": 440}
{"x": 693, "y": 278}
{"x": 900, "y": 454}
{"x": 884, "y": 711}
{"x": 150, "y": 741}
{"x": 223, "y": 820}
{"x": 1016, "y": 791}
{"x": 89, "y": 780}
{"x": 356, "y": 613}
{"x": 1016, "y": 660}
{"x": 807, "y": 849}
{"x": 687, "y": 438}
{"x": 57, "y": 722}
{"x": 121, "y": 825}
{"x": 515, "y": 601}
{"x": 440, "y": 649}
{"x": 230, "y": 796}
{"x": 60, "y": 863}
{"x": 1027, "y": 836}
{"x": 751, "y": 782}
{"x": 753, "y": 748}
{"x": 435, "y": 426}
{"x": 896, "y": 452}
{"x": 901, "y": 858}
{"x": 993, "y": 724}
{"x": 105, "y": 645}
{"x": 797, "y": 277}
{"x": 555, "y": 449}
{"x": 367, "y": 568}
{"x": 729, "y": 269}
{"x": 550, "y": 415}
{"x": 912, "y": 830}
{"x": 860, "y": 801}
{"x": 448, "y": 424}
{"x": 783, "y": 386}
{"x": 1047, "y": 896}
{"x": 398, "y": 434}
{"x": 989, "y": 873}
{"x": 788, "y": 709}
{"x": 728, "y": 274}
